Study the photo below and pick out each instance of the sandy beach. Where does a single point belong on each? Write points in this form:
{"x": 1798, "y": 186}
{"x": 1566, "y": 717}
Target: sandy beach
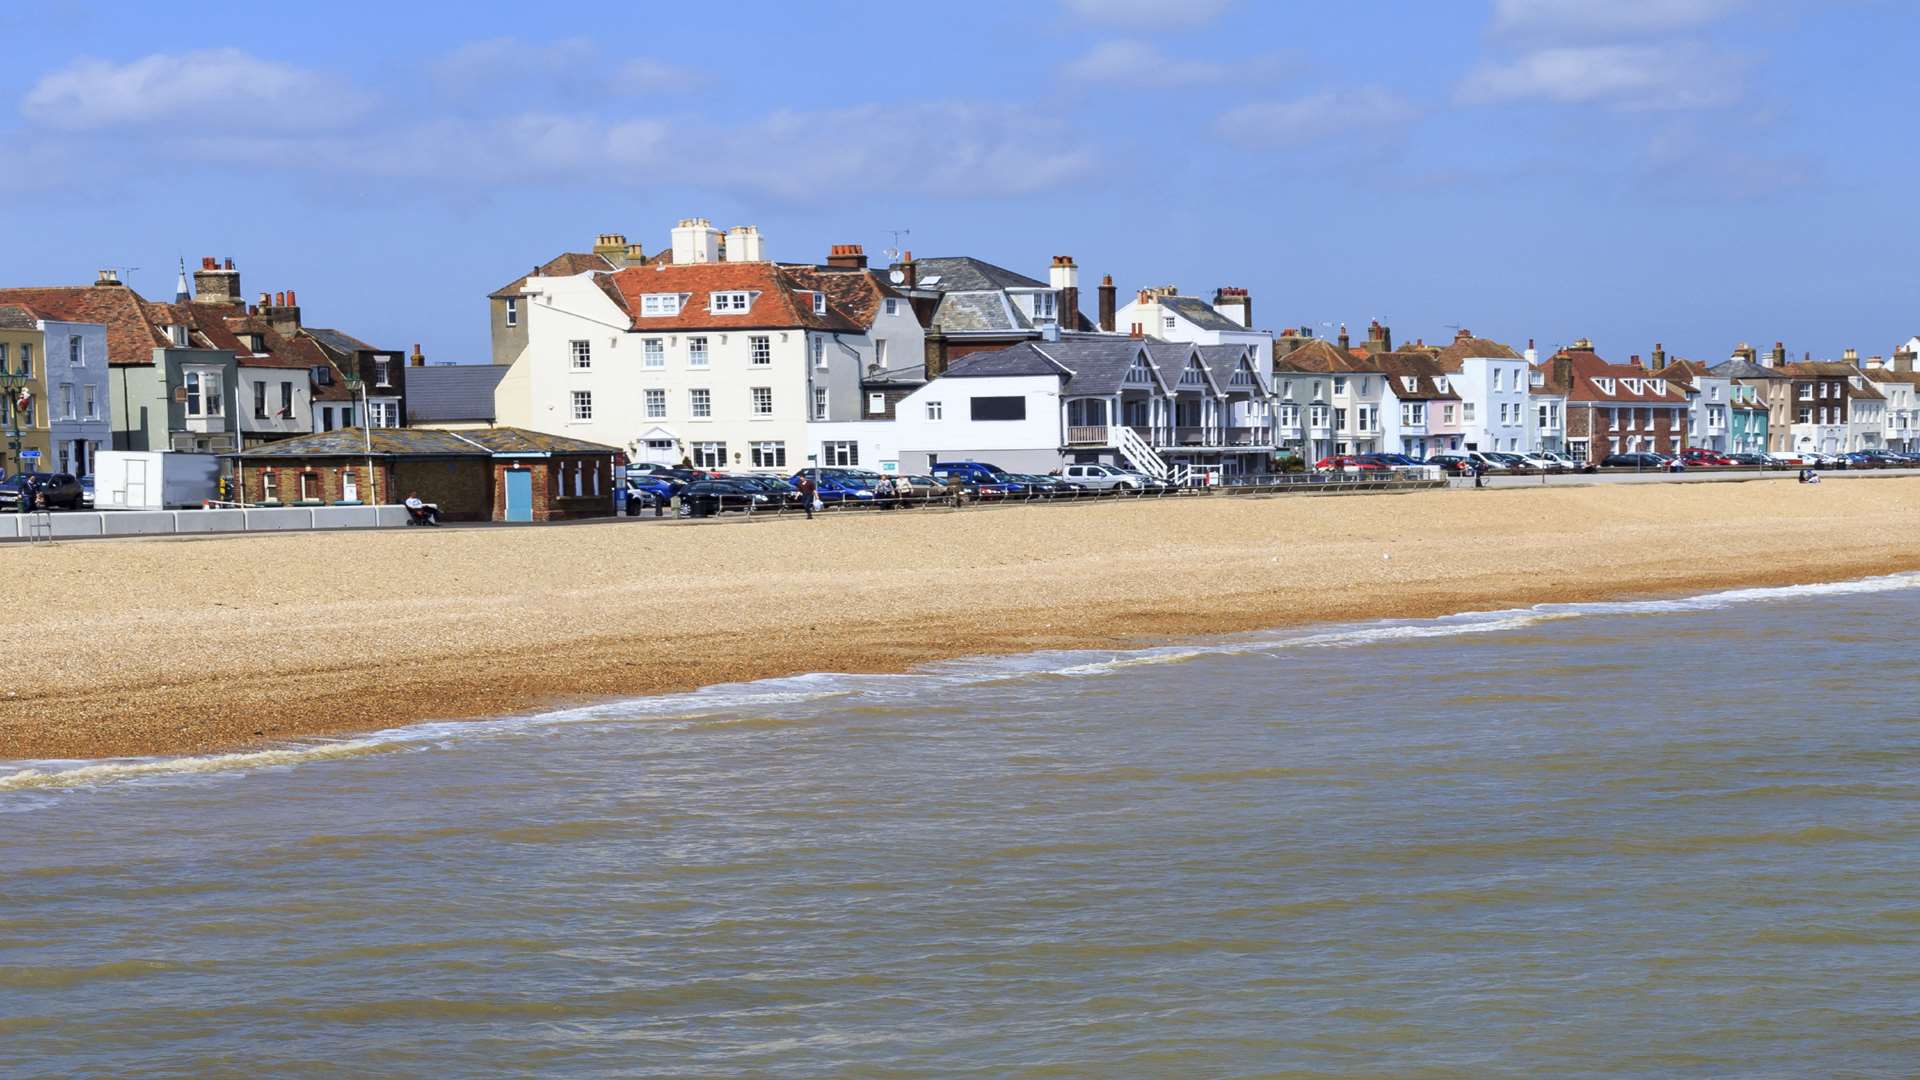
{"x": 183, "y": 645}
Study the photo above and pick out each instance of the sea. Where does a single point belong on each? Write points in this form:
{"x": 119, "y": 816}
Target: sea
{"x": 1655, "y": 838}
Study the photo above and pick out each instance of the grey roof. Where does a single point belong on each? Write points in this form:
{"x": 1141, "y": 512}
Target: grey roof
{"x": 1224, "y": 360}
{"x": 1088, "y": 365}
{"x": 1200, "y": 313}
{"x": 453, "y": 391}
{"x": 1012, "y": 361}
{"x": 1172, "y": 358}
{"x": 977, "y": 312}
{"x": 967, "y": 274}
{"x": 14, "y": 317}
{"x": 337, "y": 342}
{"x": 1745, "y": 369}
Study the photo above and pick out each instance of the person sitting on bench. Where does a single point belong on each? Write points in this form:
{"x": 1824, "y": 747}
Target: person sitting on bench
{"x": 421, "y": 513}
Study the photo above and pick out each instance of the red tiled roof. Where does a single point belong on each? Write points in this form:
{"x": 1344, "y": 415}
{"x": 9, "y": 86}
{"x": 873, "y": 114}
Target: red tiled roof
{"x": 1419, "y": 365}
{"x": 856, "y": 293}
{"x": 131, "y": 338}
{"x": 1316, "y": 356}
{"x": 1466, "y": 346}
{"x": 777, "y": 300}
{"x": 1589, "y": 368}
{"x": 565, "y": 264}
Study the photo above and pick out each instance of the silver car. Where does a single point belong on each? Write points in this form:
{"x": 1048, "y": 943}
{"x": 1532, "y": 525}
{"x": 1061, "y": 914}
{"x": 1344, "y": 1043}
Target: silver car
{"x": 1107, "y": 478}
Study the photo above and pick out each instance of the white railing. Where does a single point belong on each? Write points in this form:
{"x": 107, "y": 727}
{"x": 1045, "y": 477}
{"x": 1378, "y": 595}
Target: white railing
{"x": 1138, "y": 453}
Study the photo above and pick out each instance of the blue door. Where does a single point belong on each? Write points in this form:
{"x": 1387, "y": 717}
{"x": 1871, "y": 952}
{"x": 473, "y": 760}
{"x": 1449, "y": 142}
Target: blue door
{"x": 519, "y": 495}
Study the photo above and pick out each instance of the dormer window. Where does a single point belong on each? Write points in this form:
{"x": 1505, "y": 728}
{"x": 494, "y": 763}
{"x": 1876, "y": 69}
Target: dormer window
{"x": 1633, "y": 386}
{"x": 1440, "y": 383}
{"x": 1660, "y": 387}
{"x": 819, "y": 303}
{"x": 1412, "y": 383}
{"x": 178, "y": 335}
{"x": 381, "y": 375}
{"x": 1141, "y": 373}
{"x": 727, "y": 303}
{"x": 257, "y": 342}
{"x": 1605, "y": 385}
{"x": 1045, "y": 305}
{"x": 654, "y": 305}
{"x": 1538, "y": 378}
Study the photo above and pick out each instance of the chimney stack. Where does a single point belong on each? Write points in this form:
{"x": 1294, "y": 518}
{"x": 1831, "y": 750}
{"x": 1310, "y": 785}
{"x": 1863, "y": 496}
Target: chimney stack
{"x": 1659, "y": 356}
{"x": 418, "y": 359}
{"x": 611, "y": 247}
{"x": 217, "y": 284}
{"x": 1108, "y": 308}
{"x": 1379, "y": 338}
{"x": 744, "y": 245}
{"x": 936, "y": 353}
{"x": 1139, "y": 331}
{"x": 1850, "y": 356}
{"x": 1634, "y": 360}
{"x": 1064, "y": 276}
{"x": 1533, "y": 354}
{"x": 847, "y": 257}
{"x": 909, "y": 271}
{"x": 635, "y": 255}
{"x": 695, "y": 240}
{"x": 1235, "y": 304}
{"x": 284, "y": 313}
{"x": 107, "y": 279}
{"x": 1563, "y": 370}
{"x": 1346, "y": 342}
{"x": 1779, "y": 354}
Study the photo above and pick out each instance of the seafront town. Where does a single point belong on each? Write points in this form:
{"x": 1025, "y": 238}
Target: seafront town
{"x": 625, "y": 376}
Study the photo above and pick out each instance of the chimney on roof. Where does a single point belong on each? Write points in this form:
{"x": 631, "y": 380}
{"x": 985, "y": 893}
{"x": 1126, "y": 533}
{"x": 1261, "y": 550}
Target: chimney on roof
{"x": 909, "y": 270}
{"x": 1108, "y": 309}
{"x": 634, "y": 256}
{"x": 936, "y": 353}
{"x": 1779, "y": 354}
{"x": 1850, "y": 356}
{"x": 1634, "y": 360}
{"x": 218, "y": 285}
{"x": 418, "y": 359}
{"x": 283, "y": 314}
{"x": 695, "y": 240}
{"x": 610, "y": 246}
{"x": 107, "y": 278}
{"x": 1379, "y": 338}
{"x": 1345, "y": 341}
{"x": 1659, "y": 356}
{"x": 1064, "y": 276}
{"x": 1234, "y": 303}
{"x": 1563, "y": 370}
{"x": 847, "y": 257}
{"x": 1533, "y": 354}
{"x": 1138, "y": 331}
{"x": 743, "y": 244}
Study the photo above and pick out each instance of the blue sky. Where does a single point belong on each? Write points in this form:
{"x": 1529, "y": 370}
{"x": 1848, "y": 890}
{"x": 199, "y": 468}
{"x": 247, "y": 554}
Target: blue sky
{"x": 1696, "y": 172}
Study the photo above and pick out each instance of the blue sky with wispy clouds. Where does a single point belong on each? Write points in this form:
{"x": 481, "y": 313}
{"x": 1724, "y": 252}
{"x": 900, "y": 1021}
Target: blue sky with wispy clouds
{"x": 1697, "y": 172}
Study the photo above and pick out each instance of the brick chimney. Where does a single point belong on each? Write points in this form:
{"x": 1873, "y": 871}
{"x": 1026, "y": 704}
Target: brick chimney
{"x": 1379, "y": 338}
{"x": 1779, "y": 354}
{"x": 1064, "y": 276}
{"x": 1108, "y": 308}
{"x": 418, "y": 359}
{"x": 217, "y": 284}
{"x": 611, "y": 247}
{"x": 1659, "y": 356}
{"x": 847, "y": 257}
{"x": 936, "y": 353}
{"x": 1634, "y": 360}
{"x": 1235, "y": 304}
{"x": 1563, "y": 370}
{"x": 909, "y": 271}
{"x": 1345, "y": 341}
{"x": 283, "y": 314}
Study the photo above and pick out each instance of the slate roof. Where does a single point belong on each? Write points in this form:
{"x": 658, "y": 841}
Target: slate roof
{"x": 452, "y": 391}
{"x": 1199, "y": 312}
{"x": 979, "y": 312}
{"x": 1745, "y": 369}
{"x": 336, "y": 342}
{"x": 1224, "y": 360}
{"x": 1088, "y": 366}
{"x": 967, "y": 274}
{"x": 1320, "y": 357}
{"x": 15, "y": 317}
{"x": 855, "y": 293}
{"x": 422, "y": 442}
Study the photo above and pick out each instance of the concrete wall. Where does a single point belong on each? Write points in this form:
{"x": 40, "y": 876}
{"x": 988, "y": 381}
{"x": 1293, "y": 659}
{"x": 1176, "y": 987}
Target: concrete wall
{"x": 172, "y": 522}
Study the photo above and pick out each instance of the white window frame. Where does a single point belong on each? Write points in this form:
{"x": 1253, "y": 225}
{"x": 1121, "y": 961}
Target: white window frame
{"x": 90, "y": 397}
{"x": 76, "y": 351}
{"x": 821, "y": 403}
{"x": 770, "y": 454}
{"x": 655, "y": 400}
{"x": 659, "y": 305}
{"x": 761, "y": 398}
{"x": 819, "y": 303}
{"x": 653, "y": 353}
{"x": 581, "y": 352}
{"x": 892, "y": 306}
{"x": 876, "y": 404}
{"x": 760, "y": 350}
{"x": 513, "y": 311}
{"x": 697, "y": 355}
{"x": 582, "y": 406}
{"x": 936, "y": 411}
{"x": 699, "y": 403}
{"x": 708, "y": 455}
{"x": 731, "y": 302}
{"x": 840, "y": 454}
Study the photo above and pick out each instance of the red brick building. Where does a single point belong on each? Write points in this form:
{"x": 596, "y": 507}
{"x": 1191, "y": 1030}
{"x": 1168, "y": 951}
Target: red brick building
{"x": 1616, "y": 408}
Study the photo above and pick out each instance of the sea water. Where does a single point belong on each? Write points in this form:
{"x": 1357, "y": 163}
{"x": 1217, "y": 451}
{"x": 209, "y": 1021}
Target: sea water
{"x": 1662, "y": 838}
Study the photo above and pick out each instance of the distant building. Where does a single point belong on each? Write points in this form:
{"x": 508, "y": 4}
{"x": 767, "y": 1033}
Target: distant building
{"x": 1616, "y": 408}
{"x": 23, "y": 345}
{"x": 453, "y": 397}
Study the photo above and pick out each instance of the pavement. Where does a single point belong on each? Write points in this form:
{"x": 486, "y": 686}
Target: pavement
{"x": 1719, "y": 476}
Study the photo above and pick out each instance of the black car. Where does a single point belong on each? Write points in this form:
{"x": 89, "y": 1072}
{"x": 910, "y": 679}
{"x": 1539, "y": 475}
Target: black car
{"x": 705, "y": 498}
{"x": 1635, "y": 461}
{"x": 59, "y": 491}
{"x": 1453, "y": 464}
{"x": 1748, "y": 459}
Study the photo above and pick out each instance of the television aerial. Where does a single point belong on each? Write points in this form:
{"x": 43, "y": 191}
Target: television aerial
{"x": 899, "y": 247}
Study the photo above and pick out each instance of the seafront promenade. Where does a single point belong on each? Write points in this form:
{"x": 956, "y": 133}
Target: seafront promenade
{"x": 179, "y": 645}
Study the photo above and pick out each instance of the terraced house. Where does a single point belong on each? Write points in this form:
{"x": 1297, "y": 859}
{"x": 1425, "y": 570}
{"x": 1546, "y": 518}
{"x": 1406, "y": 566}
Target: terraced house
{"x": 1616, "y": 408}
{"x": 23, "y": 413}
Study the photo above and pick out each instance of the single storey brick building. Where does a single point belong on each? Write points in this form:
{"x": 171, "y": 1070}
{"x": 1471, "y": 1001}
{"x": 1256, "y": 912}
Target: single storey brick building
{"x": 492, "y": 474}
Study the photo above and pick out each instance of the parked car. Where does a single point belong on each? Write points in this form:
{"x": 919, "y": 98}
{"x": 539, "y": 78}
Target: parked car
{"x": 1348, "y": 463}
{"x": 978, "y": 472}
{"x": 1563, "y": 463}
{"x": 652, "y": 488}
{"x": 1861, "y": 459}
{"x": 1749, "y": 459}
{"x": 1701, "y": 456}
{"x": 1107, "y": 478}
{"x": 780, "y": 494}
{"x": 1485, "y": 462}
{"x": 1454, "y": 464}
{"x": 1645, "y": 462}
{"x": 86, "y": 491}
{"x": 1393, "y": 461}
{"x": 55, "y": 491}
{"x": 1044, "y": 487}
{"x": 839, "y": 485}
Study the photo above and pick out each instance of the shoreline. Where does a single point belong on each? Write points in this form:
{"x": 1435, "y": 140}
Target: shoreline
{"x": 594, "y": 613}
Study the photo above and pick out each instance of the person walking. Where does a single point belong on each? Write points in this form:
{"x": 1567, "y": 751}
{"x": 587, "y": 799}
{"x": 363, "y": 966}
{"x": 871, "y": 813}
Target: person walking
{"x": 807, "y": 489}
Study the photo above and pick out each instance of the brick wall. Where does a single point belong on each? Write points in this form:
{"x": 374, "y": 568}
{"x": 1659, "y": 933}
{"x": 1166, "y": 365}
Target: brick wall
{"x": 326, "y": 480}
{"x": 553, "y": 486}
{"x": 458, "y": 486}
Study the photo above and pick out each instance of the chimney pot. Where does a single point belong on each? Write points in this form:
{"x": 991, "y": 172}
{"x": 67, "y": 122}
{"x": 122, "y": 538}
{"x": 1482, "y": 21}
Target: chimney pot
{"x": 229, "y": 263}
{"x": 291, "y": 300}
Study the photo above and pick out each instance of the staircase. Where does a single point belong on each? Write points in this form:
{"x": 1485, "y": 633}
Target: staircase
{"x": 1139, "y": 454}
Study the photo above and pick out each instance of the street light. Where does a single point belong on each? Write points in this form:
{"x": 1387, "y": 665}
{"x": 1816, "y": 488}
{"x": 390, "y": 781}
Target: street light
{"x": 358, "y": 385}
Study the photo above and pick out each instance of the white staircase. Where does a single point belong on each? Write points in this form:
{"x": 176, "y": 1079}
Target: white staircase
{"x": 1139, "y": 454}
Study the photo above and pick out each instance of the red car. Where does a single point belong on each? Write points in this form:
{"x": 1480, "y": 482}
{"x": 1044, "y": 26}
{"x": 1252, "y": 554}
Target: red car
{"x": 1700, "y": 455}
{"x": 1348, "y": 463}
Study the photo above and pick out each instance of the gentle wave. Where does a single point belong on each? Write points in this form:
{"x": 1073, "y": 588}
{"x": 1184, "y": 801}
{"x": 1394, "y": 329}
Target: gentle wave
{"x": 694, "y": 707}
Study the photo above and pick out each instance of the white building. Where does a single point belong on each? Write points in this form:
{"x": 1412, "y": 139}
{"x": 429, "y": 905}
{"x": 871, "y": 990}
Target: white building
{"x": 720, "y": 358}
{"x": 1164, "y": 314}
{"x": 77, "y": 393}
{"x": 1493, "y": 383}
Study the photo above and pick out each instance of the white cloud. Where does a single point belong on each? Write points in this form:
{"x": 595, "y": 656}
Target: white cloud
{"x": 1679, "y": 76}
{"x": 226, "y": 85}
{"x": 567, "y": 67}
{"x": 1136, "y": 63}
{"x": 1148, "y": 12}
{"x": 1606, "y": 17}
{"x": 1327, "y": 114}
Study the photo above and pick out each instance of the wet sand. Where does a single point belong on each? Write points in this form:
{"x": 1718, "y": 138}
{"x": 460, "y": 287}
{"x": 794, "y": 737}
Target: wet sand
{"x": 180, "y": 645}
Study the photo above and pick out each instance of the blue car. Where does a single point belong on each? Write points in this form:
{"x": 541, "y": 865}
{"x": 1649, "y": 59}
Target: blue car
{"x": 839, "y": 485}
{"x": 991, "y": 480}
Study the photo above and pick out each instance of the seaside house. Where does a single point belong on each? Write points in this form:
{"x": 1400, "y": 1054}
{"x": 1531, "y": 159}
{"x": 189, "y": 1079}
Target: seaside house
{"x": 1768, "y": 386}
{"x": 1866, "y": 408}
{"x": 493, "y": 474}
{"x": 22, "y": 346}
{"x": 1420, "y": 407}
{"x": 1492, "y": 381}
{"x": 969, "y": 305}
{"x": 1896, "y": 381}
{"x": 507, "y": 305}
{"x": 1822, "y": 392}
{"x": 1709, "y": 399}
{"x": 1164, "y": 314}
{"x": 1616, "y": 408}
{"x": 1747, "y": 419}
{"x": 75, "y": 362}
{"x": 716, "y": 355}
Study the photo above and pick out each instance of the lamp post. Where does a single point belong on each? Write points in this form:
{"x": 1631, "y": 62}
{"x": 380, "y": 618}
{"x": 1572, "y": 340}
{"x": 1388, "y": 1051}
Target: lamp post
{"x": 358, "y": 385}
{"x": 14, "y": 384}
